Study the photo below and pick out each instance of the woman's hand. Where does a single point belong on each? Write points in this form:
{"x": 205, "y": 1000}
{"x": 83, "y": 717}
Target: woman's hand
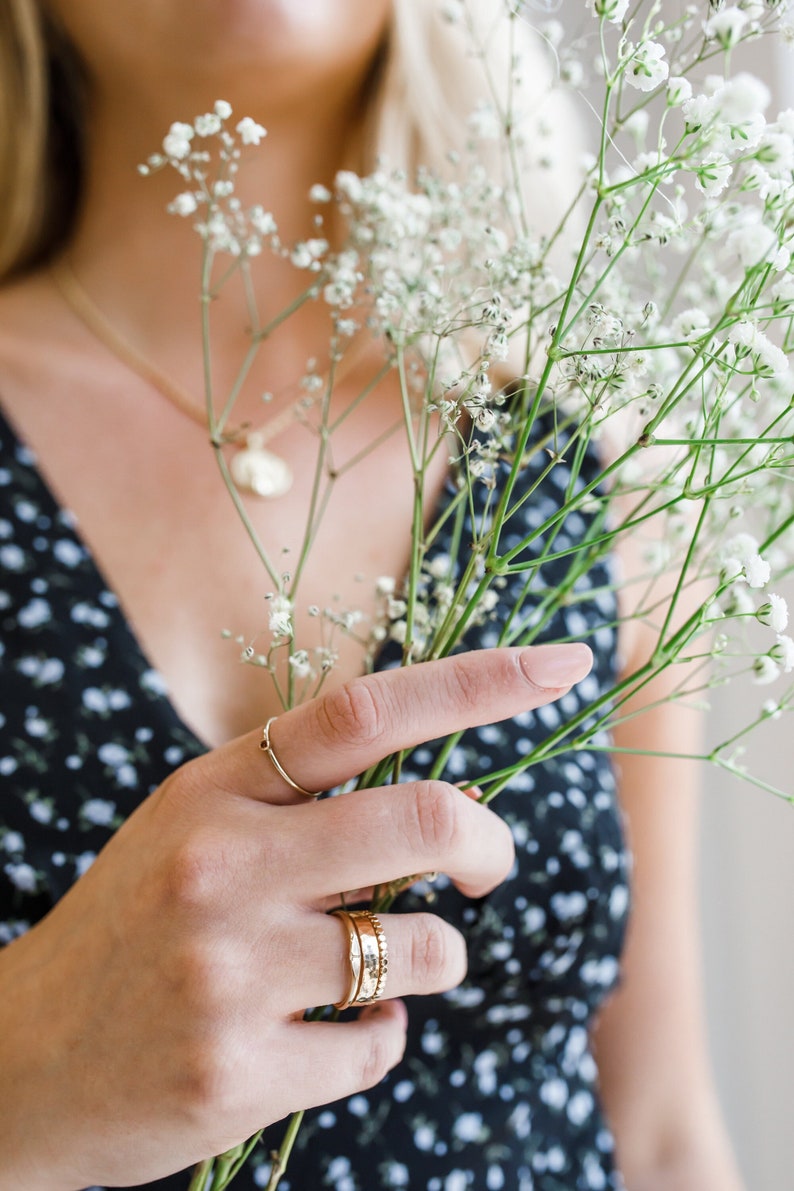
{"x": 154, "y": 1017}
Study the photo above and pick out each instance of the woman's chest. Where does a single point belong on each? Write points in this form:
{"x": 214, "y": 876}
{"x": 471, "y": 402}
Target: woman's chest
{"x": 200, "y": 580}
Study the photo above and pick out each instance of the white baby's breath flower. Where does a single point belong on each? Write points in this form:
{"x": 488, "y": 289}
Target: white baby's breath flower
{"x": 785, "y": 122}
{"x": 757, "y": 572}
{"x": 775, "y": 152}
{"x": 756, "y": 9}
{"x": 765, "y": 670}
{"x": 484, "y": 122}
{"x": 349, "y": 185}
{"x": 385, "y": 585}
{"x": 553, "y": 32}
{"x": 731, "y": 570}
{"x": 250, "y": 132}
{"x": 783, "y": 653}
{"x": 783, "y": 289}
{"x": 741, "y": 546}
{"x": 752, "y": 243}
{"x": 739, "y": 601}
{"x": 726, "y": 27}
{"x": 741, "y": 98}
{"x": 398, "y": 631}
{"x": 647, "y": 67}
{"x": 439, "y": 567}
{"x": 280, "y": 615}
{"x": 176, "y": 143}
{"x": 488, "y": 601}
{"x": 712, "y": 612}
{"x": 347, "y": 327}
{"x": 300, "y": 665}
{"x": 208, "y": 124}
{"x": 767, "y": 356}
{"x": 679, "y": 90}
{"x": 698, "y": 111}
{"x": 713, "y": 174}
{"x": 262, "y": 221}
{"x": 637, "y": 125}
{"x": 774, "y": 613}
{"x": 307, "y": 254}
{"x": 610, "y": 10}
{"x": 453, "y": 11}
{"x": 184, "y": 204}
{"x": 320, "y": 194}
{"x": 222, "y": 109}
{"x": 690, "y": 324}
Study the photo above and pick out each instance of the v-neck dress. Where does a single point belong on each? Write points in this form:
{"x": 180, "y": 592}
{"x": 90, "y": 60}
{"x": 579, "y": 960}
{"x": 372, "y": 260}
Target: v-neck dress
{"x": 498, "y": 1087}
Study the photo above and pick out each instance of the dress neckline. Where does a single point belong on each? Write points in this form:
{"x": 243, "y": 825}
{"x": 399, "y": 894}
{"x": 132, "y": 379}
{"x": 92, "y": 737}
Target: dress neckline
{"x": 387, "y": 656}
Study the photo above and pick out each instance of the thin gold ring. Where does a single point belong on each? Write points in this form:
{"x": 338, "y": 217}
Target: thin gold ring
{"x": 368, "y": 954}
{"x": 267, "y": 747}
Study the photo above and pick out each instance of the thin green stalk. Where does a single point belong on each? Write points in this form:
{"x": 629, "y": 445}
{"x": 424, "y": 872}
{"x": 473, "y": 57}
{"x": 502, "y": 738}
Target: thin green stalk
{"x": 280, "y": 1160}
{"x": 242, "y": 513}
{"x": 201, "y": 1173}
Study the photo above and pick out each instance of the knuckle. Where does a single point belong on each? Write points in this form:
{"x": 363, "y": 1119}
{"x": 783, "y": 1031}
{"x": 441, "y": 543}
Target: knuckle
{"x": 204, "y": 1079}
{"x": 376, "y": 1062}
{"x": 464, "y": 683}
{"x": 437, "y": 814}
{"x": 438, "y": 955}
{"x": 352, "y": 712}
{"x": 195, "y": 875}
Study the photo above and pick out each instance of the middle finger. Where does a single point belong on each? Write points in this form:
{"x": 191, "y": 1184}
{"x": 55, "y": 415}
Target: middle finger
{"x": 384, "y": 834}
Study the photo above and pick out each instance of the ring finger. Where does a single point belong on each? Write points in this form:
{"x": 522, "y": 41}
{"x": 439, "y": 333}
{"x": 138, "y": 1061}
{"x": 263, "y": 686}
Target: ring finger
{"x": 425, "y": 955}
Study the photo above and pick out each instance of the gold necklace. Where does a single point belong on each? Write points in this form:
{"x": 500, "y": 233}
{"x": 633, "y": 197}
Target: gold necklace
{"x": 253, "y": 468}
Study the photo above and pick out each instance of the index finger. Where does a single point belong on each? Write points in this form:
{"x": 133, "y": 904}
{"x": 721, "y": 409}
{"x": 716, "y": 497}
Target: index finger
{"x": 331, "y": 739}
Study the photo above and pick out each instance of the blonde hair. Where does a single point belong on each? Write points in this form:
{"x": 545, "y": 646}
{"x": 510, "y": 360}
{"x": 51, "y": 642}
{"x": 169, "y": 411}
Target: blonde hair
{"x": 437, "y": 72}
{"x": 423, "y": 90}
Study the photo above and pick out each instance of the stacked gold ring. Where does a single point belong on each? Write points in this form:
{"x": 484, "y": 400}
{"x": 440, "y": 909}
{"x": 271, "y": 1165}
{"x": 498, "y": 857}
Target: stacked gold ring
{"x": 368, "y": 954}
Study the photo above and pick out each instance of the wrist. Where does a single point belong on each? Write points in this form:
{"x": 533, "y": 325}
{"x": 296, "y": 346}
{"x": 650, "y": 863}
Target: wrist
{"x": 32, "y": 1119}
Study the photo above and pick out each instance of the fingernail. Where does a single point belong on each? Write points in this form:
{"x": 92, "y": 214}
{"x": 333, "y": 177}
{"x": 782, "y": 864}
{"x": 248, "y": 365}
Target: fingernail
{"x": 554, "y": 667}
{"x": 473, "y": 792}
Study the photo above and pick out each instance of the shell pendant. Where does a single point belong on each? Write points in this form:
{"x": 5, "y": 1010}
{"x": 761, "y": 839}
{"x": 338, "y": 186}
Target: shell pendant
{"x": 259, "y": 471}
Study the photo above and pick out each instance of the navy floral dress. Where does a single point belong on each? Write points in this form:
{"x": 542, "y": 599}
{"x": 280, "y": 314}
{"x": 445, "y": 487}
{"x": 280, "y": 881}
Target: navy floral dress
{"x": 498, "y": 1087}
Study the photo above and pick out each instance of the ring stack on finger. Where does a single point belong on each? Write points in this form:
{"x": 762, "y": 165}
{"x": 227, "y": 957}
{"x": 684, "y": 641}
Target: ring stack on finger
{"x": 368, "y": 954}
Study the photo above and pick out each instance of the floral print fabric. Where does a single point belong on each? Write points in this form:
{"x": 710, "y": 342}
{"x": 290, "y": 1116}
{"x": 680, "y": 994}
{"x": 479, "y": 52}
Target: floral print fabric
{"x": 498, "y": 1088}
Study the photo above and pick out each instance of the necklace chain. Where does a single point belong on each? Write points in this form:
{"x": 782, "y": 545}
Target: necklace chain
{"x": 102, "y": 329}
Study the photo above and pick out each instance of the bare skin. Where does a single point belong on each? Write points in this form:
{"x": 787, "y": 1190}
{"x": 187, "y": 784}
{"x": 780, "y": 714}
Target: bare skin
{"x": 196, "y": 939}
{"x": 207, "y": 925}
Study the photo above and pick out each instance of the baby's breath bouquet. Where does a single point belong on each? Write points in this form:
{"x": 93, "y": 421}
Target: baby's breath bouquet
{"x": 651, "y": 324}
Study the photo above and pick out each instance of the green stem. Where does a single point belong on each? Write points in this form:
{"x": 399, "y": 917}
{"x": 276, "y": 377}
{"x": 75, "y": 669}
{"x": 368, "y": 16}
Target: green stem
{"x": 200, "y": 1174}
{"x": 281, "y": 1158}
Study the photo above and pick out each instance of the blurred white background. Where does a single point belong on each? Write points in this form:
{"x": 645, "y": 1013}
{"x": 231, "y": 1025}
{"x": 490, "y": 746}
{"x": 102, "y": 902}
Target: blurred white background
{"x": 748, "y": 891}
{"x": 747, "y": 842}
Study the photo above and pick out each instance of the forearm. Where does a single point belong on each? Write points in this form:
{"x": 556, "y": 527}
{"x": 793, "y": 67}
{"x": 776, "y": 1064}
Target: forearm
{"x": 698, "y": 1169}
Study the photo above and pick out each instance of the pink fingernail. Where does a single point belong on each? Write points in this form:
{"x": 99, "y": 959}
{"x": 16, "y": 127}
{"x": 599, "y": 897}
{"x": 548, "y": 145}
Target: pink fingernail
{"x": 556, "y": 667}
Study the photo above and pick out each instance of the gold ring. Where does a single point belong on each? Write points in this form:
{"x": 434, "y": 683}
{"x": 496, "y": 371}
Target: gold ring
{"x": 368, "y": 955}
{"x": 267, "y": 747}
